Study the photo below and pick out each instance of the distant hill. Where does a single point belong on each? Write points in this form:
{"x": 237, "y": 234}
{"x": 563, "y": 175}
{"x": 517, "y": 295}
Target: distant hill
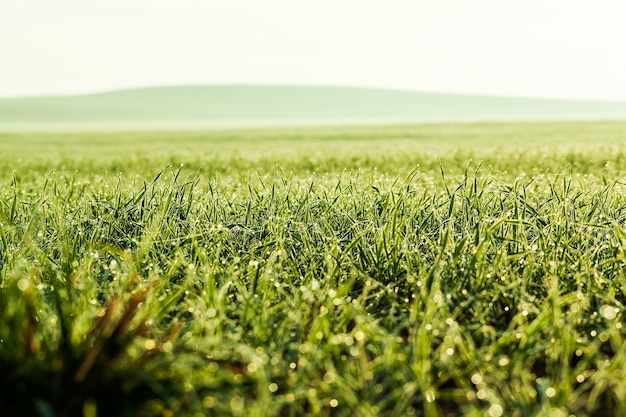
{"x": 241, "y": 104}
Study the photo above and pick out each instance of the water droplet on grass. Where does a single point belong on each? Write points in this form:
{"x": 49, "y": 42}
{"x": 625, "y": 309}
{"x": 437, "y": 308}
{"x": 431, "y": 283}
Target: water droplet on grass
{"x": 329, "y": 377}
{"x": 430, "y": 395}
{"x": 23, "y": 284}
{"x": 608, "y": 312}
{"x": 495, "y": 410}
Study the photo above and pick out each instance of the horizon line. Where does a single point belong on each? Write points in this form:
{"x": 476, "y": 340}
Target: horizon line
{"x": 312, "y": 86}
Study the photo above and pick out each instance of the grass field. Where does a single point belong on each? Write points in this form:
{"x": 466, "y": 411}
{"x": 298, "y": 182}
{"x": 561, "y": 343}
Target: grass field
{"x": 429, "y": 270}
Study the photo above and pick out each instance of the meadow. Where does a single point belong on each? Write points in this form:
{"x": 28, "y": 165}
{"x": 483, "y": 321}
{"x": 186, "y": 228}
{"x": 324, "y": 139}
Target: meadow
{"x": 472, "y": 269}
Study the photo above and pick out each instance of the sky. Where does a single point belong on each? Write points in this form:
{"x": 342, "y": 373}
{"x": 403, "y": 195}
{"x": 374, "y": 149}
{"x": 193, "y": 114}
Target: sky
{"x": 531, "y": 48}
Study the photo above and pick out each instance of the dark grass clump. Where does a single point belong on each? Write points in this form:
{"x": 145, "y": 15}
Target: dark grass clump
{"x": 54, "y": 364}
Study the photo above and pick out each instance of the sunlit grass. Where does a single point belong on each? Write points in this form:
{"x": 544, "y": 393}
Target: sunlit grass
{"x": 408, "y": 275}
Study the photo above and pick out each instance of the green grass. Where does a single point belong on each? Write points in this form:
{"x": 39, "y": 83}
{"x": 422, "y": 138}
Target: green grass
{"x": 241, "y": 104}
{"x": 428, "y": 270}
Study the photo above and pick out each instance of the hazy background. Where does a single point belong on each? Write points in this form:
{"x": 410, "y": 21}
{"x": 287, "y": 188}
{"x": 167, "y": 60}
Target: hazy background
{"x": 557, "y": 48}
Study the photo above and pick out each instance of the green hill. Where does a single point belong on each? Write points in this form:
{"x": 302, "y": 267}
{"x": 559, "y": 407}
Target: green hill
{"x": 241, "y": 104}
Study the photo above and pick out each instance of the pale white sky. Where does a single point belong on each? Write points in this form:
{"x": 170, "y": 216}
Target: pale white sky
{"x": 543, "y": 48}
